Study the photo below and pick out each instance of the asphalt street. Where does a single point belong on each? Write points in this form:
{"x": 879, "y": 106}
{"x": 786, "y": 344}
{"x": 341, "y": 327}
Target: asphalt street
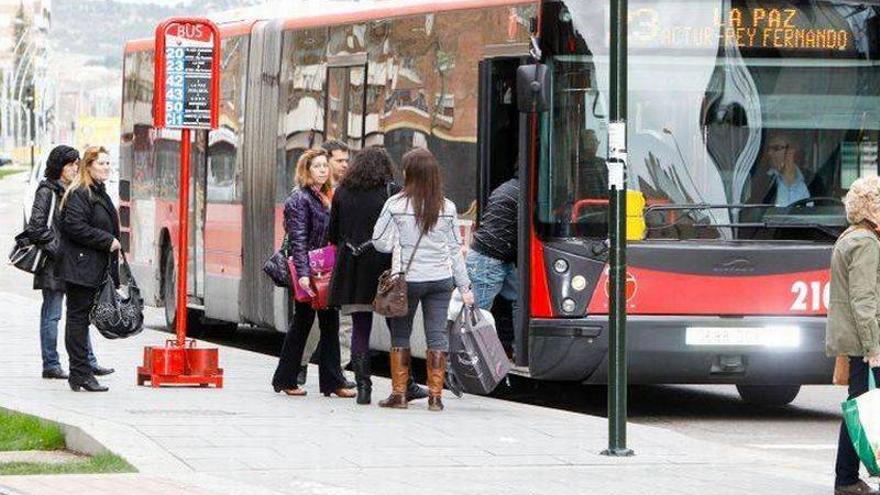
{"x": 807, "y": 428}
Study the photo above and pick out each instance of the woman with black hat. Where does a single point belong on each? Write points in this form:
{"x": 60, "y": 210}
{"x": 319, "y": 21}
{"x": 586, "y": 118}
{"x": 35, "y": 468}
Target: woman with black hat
{"x": 61, "y": 170}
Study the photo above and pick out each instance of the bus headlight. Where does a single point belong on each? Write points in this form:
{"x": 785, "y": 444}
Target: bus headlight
{"x": 568, "y": 305}
{"x": 560, "y": 265}
{"x": 578, "y": 283}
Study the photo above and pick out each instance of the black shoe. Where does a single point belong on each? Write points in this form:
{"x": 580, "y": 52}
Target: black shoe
{"x": 860, "y": 488}
{"x": 101, "y": 371}
{"x": 55, "y": 374}
{"x": 414, "y": 391}
{"x": 89, "y": 385}
{"x": 360, "y": 363}
{"x": 302, "y": 375}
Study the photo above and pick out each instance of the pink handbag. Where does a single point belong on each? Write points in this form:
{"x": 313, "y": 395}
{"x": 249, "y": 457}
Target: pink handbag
{"x": 299, "y": 294}
{"x": 322, "y": 260}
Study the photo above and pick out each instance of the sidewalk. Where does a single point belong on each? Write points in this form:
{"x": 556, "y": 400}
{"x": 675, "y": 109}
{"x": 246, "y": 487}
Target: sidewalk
{"x": 246, "y": 439}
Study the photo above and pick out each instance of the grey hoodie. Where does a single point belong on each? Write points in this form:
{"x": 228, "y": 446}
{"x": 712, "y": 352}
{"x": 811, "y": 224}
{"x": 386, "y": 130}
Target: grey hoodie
{"x": 439, "y": 254}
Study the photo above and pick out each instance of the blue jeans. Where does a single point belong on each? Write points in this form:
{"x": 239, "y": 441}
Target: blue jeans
{"x": 490, "y": 278}
{"x": 50, "y": 315}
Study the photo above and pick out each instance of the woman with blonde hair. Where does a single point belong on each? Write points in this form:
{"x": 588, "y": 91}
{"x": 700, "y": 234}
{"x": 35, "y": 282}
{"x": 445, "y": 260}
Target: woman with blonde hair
{"x": 852, "y": 328}
{"x": 306, "y": 217}
{"x": 90, "y": 241}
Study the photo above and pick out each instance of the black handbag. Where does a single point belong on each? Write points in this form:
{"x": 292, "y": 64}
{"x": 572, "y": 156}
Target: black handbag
{"x": 276, "y": 266}
{"x": 30, "y": 257}
{"x": 118, "y": 313}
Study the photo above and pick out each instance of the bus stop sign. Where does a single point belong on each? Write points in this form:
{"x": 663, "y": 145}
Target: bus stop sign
{"x": 187, "y": 74}
{"x": 185, "y": 94}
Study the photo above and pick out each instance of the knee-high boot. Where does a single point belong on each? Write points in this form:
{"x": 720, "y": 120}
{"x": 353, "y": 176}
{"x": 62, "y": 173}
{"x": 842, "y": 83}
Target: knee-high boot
{"x": 360, "y": 363}
{"x": 400, "y": 361}
{"x": 436, "y": 375}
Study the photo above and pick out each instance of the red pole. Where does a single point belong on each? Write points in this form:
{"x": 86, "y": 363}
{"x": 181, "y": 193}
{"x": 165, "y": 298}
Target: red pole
{"x": 182, "y": 237}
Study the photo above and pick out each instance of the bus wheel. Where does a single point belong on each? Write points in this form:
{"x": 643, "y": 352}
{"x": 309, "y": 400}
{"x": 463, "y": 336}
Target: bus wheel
{"x": 169, "y": 294}
{"x": 768, "y": 395}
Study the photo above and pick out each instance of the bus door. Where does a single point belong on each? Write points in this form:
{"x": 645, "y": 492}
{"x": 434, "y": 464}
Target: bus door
{"x": 346, "y": 99}
{"x": 498, "y": 139}
{"x": 198, "y": 174}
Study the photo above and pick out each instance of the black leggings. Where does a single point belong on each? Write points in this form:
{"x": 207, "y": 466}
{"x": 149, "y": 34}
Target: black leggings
{"x": 329, "y": 371}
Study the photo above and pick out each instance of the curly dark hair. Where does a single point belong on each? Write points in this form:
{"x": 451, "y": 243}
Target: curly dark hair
{"x": 370, "y": 168}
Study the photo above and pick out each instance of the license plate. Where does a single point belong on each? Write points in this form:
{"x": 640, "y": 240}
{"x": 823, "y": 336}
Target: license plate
{"x": 768, "y": 336}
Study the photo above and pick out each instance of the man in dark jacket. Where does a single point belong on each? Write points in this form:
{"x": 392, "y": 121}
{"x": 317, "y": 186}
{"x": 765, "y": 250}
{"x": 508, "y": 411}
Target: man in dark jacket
{"x": 491, "y": 261}
{"x": 43, "y": 230}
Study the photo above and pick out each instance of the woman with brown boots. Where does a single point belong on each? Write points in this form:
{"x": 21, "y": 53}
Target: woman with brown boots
{"x": 421, "y": 223}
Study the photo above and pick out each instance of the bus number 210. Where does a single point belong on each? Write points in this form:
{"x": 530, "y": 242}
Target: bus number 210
{"x": 812, "y": 296}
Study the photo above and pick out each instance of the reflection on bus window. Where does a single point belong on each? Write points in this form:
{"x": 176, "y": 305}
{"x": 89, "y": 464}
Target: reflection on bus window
{"x": 727, "y": 126}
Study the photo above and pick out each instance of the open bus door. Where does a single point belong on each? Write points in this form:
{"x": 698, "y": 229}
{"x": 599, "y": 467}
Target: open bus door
{"x": 500, "y": 146}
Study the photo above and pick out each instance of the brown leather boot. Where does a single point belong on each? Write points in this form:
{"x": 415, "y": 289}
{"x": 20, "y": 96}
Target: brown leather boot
{"x": 400, "y": 359}
{"x": 436, "y": 375}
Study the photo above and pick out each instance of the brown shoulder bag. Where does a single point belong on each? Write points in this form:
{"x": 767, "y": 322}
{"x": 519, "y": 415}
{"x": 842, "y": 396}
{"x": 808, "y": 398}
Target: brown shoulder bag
{"x": 391, "y": 300}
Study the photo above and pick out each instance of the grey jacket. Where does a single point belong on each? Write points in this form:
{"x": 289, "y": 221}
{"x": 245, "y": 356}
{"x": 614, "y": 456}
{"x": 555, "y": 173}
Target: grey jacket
{"x": 854, "y": 308}
{"x": 439, "y": 254}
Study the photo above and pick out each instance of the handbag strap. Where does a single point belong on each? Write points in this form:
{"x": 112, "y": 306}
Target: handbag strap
{"x": 51, "y": 218}
{"x": 413, "y": 256}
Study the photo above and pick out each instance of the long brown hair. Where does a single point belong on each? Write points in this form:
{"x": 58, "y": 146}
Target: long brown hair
{"x": 423, "y": 186}
{"x": 83, "y": 177}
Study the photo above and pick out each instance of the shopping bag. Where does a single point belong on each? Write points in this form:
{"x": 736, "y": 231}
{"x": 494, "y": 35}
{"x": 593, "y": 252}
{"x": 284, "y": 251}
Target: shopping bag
{"x": 299, "y": 294}
{"x": 477, "y": 357}
{"x": 322, "y": 260}
{"x": 862, "y": 418}
{"x": 321, "y": 287}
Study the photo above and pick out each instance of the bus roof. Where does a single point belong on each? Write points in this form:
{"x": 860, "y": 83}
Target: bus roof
{"x": 347, "y": 13}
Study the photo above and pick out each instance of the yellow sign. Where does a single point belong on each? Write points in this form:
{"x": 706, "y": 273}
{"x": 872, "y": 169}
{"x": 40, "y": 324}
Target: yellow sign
{"x": 748, "y": 28}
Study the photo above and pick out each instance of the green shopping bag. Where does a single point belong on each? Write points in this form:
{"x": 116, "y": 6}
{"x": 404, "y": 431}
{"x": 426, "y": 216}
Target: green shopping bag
{"x": 862, "y": 418}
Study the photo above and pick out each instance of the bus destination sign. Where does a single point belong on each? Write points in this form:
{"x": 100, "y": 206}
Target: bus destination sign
{"x": 188, "y": 73}
{"x": 748, "y": 28}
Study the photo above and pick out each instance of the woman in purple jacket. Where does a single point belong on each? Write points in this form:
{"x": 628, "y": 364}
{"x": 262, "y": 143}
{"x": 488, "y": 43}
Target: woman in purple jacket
{"x": 306, "y": 217}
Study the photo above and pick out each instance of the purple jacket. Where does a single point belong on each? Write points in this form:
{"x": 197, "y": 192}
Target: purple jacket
{"x": 305, "y": 222}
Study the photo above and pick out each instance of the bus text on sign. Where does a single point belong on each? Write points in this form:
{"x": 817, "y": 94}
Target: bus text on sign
{"x": 186, "y": 72}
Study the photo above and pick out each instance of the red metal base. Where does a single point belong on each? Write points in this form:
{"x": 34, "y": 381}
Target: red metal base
{"x": 176, "y": 365}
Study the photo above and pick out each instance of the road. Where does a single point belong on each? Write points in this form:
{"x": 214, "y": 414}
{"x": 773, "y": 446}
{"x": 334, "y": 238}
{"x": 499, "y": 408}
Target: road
{"x": 806, "y": 428}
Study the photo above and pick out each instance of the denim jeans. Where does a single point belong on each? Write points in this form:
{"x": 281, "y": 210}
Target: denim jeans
{"x": 846, "y": 468}
{"x": 434, "y": 297}
{"x": 50, "y": 315}
{"x": 491, "y": 278}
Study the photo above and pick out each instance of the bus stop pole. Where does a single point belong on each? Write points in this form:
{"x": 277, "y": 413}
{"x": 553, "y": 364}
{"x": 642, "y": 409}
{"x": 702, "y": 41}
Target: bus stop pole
{"x": 617, "y": 386}
{"x": 182, "y": 237}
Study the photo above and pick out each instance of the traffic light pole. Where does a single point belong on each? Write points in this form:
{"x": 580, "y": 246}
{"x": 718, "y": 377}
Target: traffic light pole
{"x": 617, "y": 386}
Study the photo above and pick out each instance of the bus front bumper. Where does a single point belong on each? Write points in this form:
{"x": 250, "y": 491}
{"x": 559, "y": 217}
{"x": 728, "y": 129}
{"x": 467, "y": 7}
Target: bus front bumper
{"x": 658, "y": 350}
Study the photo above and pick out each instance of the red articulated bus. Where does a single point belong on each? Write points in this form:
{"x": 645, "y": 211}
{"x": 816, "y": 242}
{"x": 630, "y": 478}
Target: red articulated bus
{"x": 748, "y": 120}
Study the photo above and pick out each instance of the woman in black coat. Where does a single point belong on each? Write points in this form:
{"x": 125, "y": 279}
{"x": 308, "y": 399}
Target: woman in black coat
{"x": 357, "y": 203}
{"x": 61, "y": 169}
{"x": 90, "y": 240}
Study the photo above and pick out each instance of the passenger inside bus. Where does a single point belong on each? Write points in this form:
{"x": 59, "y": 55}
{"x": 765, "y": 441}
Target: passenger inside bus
{"x": 787, "y": 183}
{"x": 591, "y": 181}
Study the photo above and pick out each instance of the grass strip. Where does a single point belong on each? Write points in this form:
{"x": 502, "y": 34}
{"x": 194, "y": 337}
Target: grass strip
{"x": 10, "y": 171}
{"x": 102, "y": 463}
{"x": 21, "y": 432}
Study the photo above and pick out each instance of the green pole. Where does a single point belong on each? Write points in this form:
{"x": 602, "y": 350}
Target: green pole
{"x": 617, "y": 234}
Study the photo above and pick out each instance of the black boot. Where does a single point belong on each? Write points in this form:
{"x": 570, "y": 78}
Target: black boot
{"x": 302, "y": 375}
{"x": 360, "y": 364}
{"x": 89, "y": 385}
{"x": 414, "y": 391}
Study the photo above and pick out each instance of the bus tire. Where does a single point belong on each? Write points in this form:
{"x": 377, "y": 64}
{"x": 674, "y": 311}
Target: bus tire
{"x": 768, "y": 395}
{"x": 169, "y": 295}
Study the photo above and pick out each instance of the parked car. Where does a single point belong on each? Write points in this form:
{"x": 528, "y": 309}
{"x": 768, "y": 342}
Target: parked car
{"x": 5, "y": 158}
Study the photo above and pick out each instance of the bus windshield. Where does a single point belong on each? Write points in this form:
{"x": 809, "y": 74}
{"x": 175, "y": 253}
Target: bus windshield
{"x": 747, "y": 119}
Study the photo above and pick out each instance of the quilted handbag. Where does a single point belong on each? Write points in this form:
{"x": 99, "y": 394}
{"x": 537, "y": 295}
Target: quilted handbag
{"x": 30, "y": 257}
{"x": 276, "y": 266}
{"x": 118, "y": 313}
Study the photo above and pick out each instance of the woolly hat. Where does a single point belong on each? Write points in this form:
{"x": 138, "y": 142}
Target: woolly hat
{"x": 60, "y": 156}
